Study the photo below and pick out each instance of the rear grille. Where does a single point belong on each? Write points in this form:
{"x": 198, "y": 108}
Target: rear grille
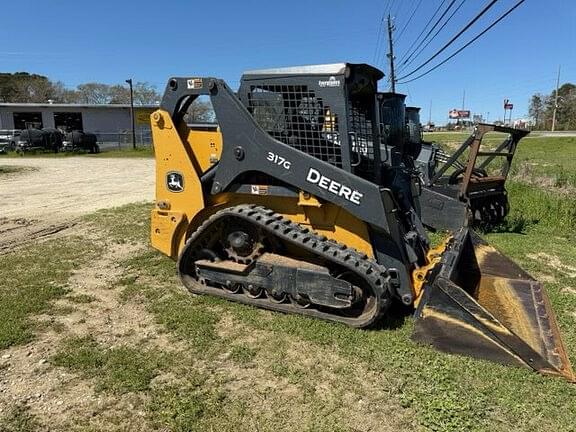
{"x": 362, "y": 137}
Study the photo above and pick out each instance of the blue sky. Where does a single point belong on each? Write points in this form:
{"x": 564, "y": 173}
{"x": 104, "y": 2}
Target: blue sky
{"x": 109, "y": 41}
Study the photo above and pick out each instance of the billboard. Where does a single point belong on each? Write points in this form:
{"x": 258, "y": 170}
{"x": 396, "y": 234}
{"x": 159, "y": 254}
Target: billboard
{"x": 459, "y": 114}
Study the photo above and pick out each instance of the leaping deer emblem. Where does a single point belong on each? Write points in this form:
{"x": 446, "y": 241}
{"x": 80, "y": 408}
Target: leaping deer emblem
{"x": 175, "y": 182}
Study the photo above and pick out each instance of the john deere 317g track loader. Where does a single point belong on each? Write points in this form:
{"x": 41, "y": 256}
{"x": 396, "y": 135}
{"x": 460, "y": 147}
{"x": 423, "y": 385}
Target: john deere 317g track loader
{"x": 288, "y": 205}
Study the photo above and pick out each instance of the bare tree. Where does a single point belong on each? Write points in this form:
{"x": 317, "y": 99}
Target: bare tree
{"x": 119, "y": 94}
{"x": 94, "y": 93}
{"x": 200, "y": 111}
{"x": 25, "y": 87}
{"x": 145, "y": 94}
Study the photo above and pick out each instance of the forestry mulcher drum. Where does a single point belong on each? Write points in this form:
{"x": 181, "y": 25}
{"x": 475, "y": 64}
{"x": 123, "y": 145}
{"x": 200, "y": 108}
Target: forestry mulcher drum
{"x": 288, "y": 204}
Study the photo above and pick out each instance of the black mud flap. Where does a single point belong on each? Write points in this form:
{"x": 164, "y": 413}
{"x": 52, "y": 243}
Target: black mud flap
{"x": 481, "y": 304}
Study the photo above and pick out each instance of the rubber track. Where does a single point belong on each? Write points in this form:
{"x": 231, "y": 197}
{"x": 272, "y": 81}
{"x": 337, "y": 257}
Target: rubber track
{"x": 329, "y": 250}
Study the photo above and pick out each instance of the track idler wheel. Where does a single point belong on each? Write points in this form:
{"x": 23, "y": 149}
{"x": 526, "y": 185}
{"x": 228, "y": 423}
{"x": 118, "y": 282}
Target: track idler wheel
{"x": 232, "y": 288}
{"x": 361, "y": 298}
{"x": 276, "y": 297}
{"x": 253, "y": 291}
{"x": 300, "y": 301}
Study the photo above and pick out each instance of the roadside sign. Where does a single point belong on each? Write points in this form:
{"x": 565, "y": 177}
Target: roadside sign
{"x": 459, "y": 114}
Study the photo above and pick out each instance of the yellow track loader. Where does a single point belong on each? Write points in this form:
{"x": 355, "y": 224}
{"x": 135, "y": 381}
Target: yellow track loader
{"x": 290, "y": 203}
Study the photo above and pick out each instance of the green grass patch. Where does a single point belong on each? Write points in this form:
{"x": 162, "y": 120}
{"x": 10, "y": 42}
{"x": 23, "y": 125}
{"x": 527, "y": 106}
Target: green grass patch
{"x": 531, "y": 206}
{"x": 81, "y": 298}
{"x": 31, "y": 278}
{"x": 8, "y": 169}
{"x": 139, "y": 152}
{"x": 125, "y": 224}
{"x": 543, "y": 158}
{"x": 12, "y": 169}
{"x": 118, "y": 370}
{"x": 243, "y": 354}
{"x": 151, "y": 278}
{"x": 19, "y": 419}
{"x": 188, "y": 408}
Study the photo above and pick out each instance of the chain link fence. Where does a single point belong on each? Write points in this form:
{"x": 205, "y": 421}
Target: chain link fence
{"x": 123, "y": 140}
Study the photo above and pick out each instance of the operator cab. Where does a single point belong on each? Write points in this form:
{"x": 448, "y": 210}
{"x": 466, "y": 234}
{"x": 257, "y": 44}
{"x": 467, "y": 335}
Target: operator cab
{"x": 327, "y": 111}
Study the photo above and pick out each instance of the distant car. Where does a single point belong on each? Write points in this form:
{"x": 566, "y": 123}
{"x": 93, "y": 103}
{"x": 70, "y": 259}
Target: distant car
{"x": 8, "y": 139}
{"x": 80, "y": 140}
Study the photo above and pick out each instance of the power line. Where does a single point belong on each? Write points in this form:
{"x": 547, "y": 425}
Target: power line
{"x": 407, "y": 63}
{"x": 377, "y": 47}
{"x": 465, "y": 46}
{"x": 399, "y": 8}
{"x": 423, "y": 30}
{"x": 380, "y": 40}
{"x": 430, "y": 31}
{"x": 409, "y": 20}
{"x": 451, "y": 41}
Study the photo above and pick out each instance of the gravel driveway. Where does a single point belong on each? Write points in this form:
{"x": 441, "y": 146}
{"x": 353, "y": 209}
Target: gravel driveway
{"x": 55, "y": 191}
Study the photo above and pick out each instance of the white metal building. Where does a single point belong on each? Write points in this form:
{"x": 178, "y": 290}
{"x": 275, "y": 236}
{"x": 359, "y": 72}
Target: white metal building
{"x": 99, "y": 119}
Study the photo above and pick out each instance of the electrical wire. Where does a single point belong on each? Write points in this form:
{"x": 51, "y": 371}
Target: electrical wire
{"x": 419, "y": 48}
{"x": 398, "y": 9}
{"x": 430, "y": 31}
{"x": 380, "y": 38}
{"x": 423, "y": 30}
{"x": 405, "y": 65}
{"x": 377, "y": 47}
{"x": 451, "y": 41}
{"x": 409, "y": 20}
{"x": 465, "y": 46}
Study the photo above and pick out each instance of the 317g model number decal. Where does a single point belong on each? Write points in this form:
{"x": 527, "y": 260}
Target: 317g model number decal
{"x": 279, "y": 160}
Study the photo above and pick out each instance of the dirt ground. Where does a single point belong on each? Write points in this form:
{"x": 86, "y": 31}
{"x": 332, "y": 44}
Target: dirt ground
{"x": 53, "y": 395}
{"x": 48, "y": 197}
{"x": 45, "y": 201}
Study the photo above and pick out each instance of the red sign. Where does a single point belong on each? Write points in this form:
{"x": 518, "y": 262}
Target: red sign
{"x": 508, "y": 106}
{"x": 459, "y": 114}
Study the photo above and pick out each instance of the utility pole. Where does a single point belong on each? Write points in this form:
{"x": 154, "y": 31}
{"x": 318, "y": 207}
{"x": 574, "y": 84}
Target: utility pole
{"x": 430, "y": 113}
{"x": 463, "y": 99}
{"x": 129, "y": 82}
{"x": 391, "y": 55}
{"x": 556, "y": 101}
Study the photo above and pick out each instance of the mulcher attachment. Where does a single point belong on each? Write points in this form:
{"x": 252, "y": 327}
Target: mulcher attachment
{"x": 481, "y": 304}
{"x": 456, "y": 192}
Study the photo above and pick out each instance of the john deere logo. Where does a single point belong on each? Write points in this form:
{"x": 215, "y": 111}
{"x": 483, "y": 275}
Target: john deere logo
{"x": 174, "y": 181}
{"x": 331, "y": 82}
